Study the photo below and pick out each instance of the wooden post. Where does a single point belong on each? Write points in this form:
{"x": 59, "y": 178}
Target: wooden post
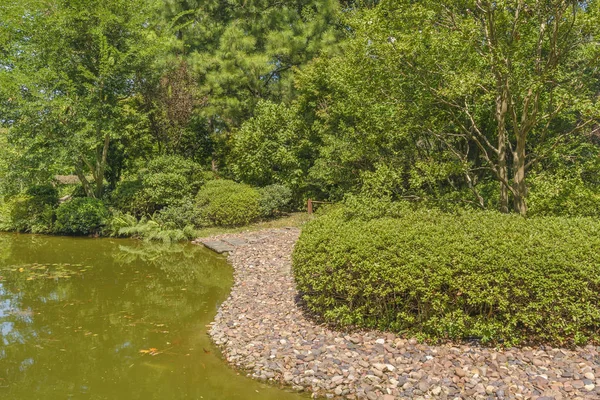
{"x": 310, "y": 206}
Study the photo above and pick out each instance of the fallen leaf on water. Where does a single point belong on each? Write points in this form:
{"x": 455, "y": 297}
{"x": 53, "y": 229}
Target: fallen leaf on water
{"x": 152, "y": 351}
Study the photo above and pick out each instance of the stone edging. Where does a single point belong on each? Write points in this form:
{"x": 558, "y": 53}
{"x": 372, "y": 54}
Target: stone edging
{"x": 261, "y": 329}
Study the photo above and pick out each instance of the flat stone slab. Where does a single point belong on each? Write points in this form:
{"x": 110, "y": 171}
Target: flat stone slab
{"x": 235, "y": 241}
{"x": 218, "y": 246}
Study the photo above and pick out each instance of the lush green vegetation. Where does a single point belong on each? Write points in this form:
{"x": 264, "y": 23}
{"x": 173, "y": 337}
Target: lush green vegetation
{"x": 470, "y": 104}
{"x": 471, "y": 275}
{"x": 175, "y": 116}
{"x": 83, "y": 215}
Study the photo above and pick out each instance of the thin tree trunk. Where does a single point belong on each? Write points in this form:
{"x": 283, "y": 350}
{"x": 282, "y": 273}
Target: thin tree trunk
{"x": 501, "y": 110}
{"x": 520, "y": 189}
{"x": 87, "y": 188}
{"x": 101, "y": 166}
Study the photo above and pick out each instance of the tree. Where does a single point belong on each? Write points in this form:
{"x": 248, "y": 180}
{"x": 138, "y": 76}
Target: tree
{"x": 79, "y": 66}
{"x": 272, "y": 147}
{"x": 511, "y": 79}
{"x": 243, "y": 51}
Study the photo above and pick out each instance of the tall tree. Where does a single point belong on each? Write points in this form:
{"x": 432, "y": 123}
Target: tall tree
{"x": 243, "y": 51}
{"x": 78, "y": 67}
{"x": 511, "y": 79}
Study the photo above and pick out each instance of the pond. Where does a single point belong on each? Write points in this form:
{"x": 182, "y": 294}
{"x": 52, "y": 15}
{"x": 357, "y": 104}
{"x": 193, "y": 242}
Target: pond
{"x": 85, "y": 318}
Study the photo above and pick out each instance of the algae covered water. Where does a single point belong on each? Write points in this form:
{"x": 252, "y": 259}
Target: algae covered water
{"x": 88, "y": 318}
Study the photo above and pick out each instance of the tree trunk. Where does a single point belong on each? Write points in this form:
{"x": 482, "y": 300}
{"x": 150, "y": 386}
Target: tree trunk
{"x": 520, "y": 189}
{"x": 87, "y": 188}
{"x": 101, "y": 166}
{"x": 501, "y": 110}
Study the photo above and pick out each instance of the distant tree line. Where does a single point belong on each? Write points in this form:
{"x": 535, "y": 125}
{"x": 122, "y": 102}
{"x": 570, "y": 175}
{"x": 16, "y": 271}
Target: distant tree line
{"x": 479, "y": 104}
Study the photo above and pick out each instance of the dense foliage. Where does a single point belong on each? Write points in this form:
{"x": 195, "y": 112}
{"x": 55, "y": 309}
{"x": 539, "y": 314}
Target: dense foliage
{"x": 227, "y": 203}
{"x": 168, "y": 179}
{"x": 461, "y": 104}
{"x": 153, "y": 118}
{"x": 81, "y": 216}
{"x": 274, "y": 199}
{"x": 451, "y": 102}
{"x": 474, "y": 275}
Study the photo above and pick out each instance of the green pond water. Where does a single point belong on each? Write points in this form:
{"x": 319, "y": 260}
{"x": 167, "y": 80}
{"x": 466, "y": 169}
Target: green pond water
{"x": 88, "y": 318}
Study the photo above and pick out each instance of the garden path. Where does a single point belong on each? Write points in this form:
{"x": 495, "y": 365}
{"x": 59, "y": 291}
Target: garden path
{"x": 261, "y": 329}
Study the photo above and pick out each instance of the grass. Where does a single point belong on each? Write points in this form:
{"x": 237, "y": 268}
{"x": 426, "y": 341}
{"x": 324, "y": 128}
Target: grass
{"x": 292, "y": 220}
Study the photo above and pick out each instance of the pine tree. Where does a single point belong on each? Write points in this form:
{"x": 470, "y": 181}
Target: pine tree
{"x": 243, "y": 51}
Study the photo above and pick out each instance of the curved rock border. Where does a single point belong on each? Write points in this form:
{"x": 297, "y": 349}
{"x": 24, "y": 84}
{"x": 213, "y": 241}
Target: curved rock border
{"x": 261, "y": 329}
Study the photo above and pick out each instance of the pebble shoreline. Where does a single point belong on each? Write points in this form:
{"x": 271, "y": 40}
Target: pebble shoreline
{"x": 261, "y": 329}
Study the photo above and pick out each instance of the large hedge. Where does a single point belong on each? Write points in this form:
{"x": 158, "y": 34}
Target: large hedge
{"x": 487, "y": 276}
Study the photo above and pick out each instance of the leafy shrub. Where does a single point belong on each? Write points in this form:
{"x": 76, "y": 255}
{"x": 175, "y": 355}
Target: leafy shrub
{"x": 274, "y": 199}
{"x": 168, "y": 179}
{"x": 179, "y": 215}
{"x": 129, "y": 197}
{"x": 227, "y": 203}
{"x": 81, "y": 216}
{"x": 498, "y": 278}
{"x": 553, "y": 194}
{"x": 43, "y": 195}
{"x": 149, "y": 229}
{"x": 272, "y": 147}
{"x": 32, "y": 212}
{"x": 15, "y": 215}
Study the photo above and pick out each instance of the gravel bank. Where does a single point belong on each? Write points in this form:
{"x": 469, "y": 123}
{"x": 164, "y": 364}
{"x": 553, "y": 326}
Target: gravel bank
{"x": 260, "y": 329}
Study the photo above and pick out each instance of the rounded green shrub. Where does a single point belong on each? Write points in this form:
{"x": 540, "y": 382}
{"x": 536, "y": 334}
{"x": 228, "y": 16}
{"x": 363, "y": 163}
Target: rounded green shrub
{"x": 18, "y": 214}
{"x": 81, "y": 216}
{"x": 501, "y": 279}
{"x": 274, "y": 199}
{"x": 168, "y": 179}
{"x": 227, "y": 203}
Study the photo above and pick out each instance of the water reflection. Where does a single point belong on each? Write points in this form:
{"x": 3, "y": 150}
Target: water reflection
{"x": 131, "y": 326}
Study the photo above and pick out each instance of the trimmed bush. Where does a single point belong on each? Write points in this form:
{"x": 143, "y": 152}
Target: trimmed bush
{"x": 476, "y": 275}
{"x": 81, "y": 216}
{"x": 43, "y": 195}
{"x": 274, "y": 199}
{"x": 227, "y": 203}
{"x": 169, "y": 179}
